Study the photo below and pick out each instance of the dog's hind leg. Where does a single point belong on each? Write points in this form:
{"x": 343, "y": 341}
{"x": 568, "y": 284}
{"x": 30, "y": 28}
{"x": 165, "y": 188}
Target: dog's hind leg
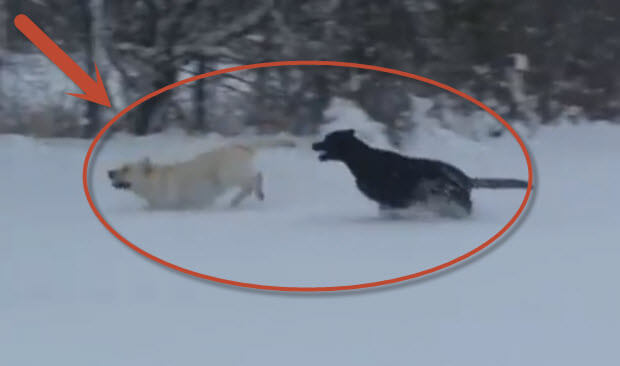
{"x": 255, "y": 185}
{"x": 258, "y": 187}
{"x": 447, "y": 207}
{"x": 240, "y": 196}
{"x": 454, "y": 210}
{"x": 243, "y": 193}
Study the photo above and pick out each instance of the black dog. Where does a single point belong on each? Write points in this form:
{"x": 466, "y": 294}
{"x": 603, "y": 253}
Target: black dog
{"x": 398, "y": 182}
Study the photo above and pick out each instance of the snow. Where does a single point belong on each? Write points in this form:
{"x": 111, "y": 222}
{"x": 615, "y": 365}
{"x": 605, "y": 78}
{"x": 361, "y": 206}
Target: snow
{"x": 343, "y": 114}
{"x": 543, "y": 295}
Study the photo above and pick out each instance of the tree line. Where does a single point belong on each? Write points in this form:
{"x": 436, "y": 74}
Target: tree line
{"x": 533, "y": 61}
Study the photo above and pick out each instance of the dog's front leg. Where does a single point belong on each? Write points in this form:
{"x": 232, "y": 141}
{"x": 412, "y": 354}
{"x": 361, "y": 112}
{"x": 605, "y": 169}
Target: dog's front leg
{"x": 389, "y": 213}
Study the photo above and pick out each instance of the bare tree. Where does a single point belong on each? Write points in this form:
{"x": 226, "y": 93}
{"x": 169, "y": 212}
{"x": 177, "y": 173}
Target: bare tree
{"x": 87, "y": 39}
{"x": 150, "y": 41}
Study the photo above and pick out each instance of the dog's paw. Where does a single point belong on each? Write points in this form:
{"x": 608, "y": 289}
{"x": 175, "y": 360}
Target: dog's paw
{"x": 260, "y": 196}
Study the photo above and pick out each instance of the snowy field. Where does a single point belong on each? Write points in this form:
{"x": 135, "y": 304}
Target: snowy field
{"x": 543, "y": 295}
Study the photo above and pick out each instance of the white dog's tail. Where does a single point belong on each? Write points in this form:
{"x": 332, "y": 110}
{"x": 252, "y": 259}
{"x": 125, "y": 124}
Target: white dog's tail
{"x": 265, "y": 144}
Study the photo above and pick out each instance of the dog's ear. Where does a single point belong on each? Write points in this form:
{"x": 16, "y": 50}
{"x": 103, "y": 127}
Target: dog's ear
{"x": 147, "y": 166}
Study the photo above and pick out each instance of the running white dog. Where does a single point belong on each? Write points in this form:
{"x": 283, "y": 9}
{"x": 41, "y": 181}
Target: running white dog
{"x": 198, "y": 182}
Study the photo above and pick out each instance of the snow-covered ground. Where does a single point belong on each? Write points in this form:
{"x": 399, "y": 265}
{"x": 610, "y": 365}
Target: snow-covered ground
{"x": 546, "y": 294}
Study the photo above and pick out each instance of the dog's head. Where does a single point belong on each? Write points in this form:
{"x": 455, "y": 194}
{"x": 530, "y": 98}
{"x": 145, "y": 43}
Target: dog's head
{"x": 336, "y": 145}
{"x": 130, "y": 175}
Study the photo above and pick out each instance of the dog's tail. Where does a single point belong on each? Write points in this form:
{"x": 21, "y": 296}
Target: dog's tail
{"x": 496, "y": 183}
{"x": 270, "y": 143}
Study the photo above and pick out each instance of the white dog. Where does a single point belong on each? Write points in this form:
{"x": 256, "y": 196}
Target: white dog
{"x": 198, "y": 182}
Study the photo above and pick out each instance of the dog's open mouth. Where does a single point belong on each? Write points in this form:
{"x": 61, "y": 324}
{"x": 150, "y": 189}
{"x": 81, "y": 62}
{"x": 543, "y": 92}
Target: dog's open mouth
{"x": 323, "y": 157}
{"x": 121, "y": 185}
{"x": 318, "y": 147}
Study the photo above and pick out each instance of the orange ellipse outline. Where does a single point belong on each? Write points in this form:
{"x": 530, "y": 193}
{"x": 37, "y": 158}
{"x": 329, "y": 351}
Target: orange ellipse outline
{"x": 390, "y": 281}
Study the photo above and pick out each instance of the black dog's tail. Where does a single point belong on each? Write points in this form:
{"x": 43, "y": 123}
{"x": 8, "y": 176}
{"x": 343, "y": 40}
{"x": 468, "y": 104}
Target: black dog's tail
{"x": 495, "y": 183}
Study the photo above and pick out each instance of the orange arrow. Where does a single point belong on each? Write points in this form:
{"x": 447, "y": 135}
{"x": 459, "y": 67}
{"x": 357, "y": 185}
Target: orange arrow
{"x": 94, "y": 91}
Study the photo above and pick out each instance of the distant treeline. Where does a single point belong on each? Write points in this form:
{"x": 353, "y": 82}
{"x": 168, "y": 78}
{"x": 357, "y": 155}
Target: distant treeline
{"x": 535, "y": 61}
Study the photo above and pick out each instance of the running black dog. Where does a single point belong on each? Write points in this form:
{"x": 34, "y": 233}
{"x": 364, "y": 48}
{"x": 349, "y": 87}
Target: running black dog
{"x": 398, "y": 182}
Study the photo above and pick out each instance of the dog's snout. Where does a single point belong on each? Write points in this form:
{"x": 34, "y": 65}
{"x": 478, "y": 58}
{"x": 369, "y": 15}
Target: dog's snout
{"x": 317, "y": 146}
{"x": 111, "y": 174}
